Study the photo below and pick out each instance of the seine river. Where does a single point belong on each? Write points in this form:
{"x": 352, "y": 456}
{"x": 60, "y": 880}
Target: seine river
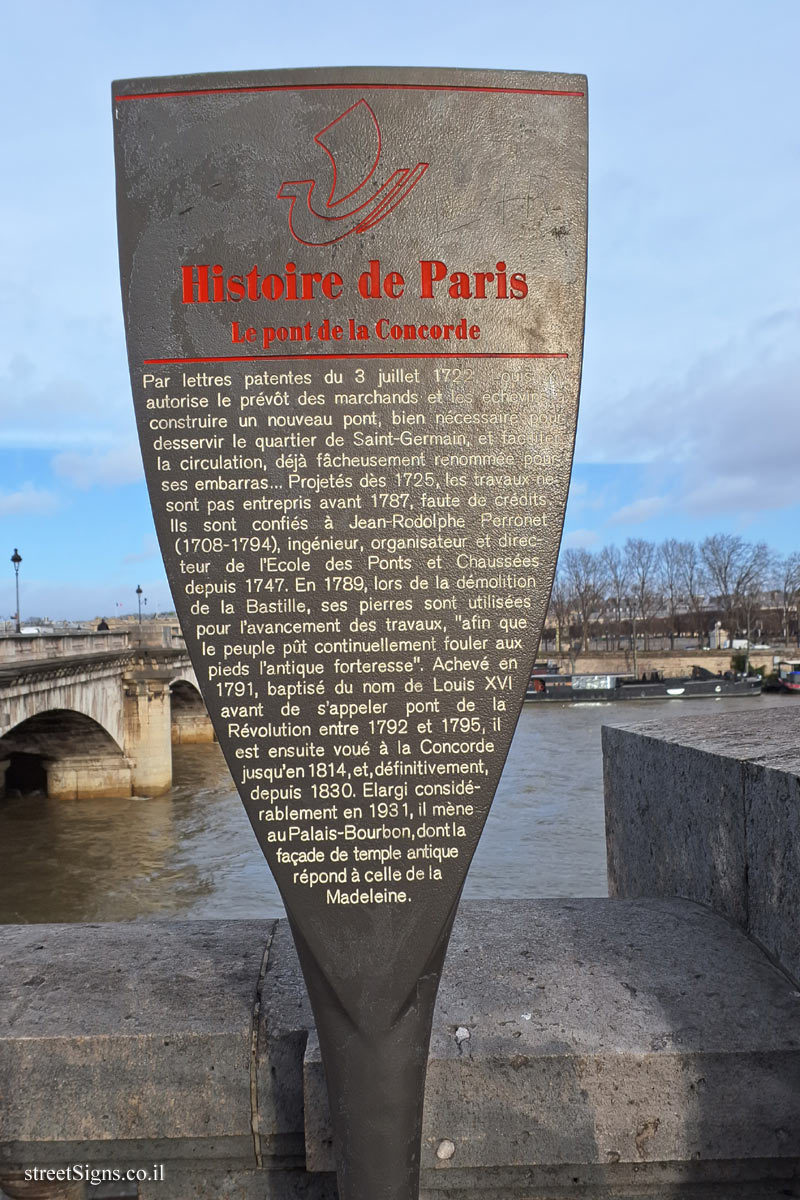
{"x": 191, "y": 854}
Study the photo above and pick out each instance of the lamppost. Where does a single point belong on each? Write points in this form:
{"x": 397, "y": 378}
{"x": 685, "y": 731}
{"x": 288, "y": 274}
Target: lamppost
{"x": 139, "y": 598}
{"x": 634, "y": 636}
{"x": 16, "y": 559}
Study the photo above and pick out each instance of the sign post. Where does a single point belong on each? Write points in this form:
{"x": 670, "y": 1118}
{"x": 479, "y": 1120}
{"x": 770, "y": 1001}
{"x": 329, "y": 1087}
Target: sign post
{"x": 354, "y": 309}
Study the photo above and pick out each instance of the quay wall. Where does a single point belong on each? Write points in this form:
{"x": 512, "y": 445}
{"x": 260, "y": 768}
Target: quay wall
{"x": 620, "y": 662}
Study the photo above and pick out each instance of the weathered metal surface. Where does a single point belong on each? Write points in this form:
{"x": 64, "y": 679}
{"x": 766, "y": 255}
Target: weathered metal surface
{"x": 354, "y": 307}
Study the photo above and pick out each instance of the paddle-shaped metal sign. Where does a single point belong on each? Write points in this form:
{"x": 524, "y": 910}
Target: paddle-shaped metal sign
{"x": 354, "y": 308}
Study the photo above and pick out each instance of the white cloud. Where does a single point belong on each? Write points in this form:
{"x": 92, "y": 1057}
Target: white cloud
{"x": 50, "y": 437}
{"x": 640, "y": 510}
{"x": 585, "y": 499}
{"x": 725, "y": 435}
{"x": 28, "y": 501}
{"x": 120, "y": 465}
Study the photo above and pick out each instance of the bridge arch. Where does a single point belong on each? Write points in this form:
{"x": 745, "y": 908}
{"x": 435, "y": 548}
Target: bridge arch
{"x": 191, "y": 723}
{"x": 100, "y": 704}
{"x": 128, "y": 694}
{"x": 186, "y": 675}
{"x": 65, "y": 754}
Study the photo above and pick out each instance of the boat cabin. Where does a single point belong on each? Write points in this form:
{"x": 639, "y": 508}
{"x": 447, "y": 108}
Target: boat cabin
{"x": 789, "y": 674}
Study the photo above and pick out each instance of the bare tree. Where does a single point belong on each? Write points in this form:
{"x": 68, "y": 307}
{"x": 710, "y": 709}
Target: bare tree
{"x": 737, "y": 569}
{"x": 642, "y": 560}
{"x": 585, "y": 579}
{"x": 635, "y": 584}
{"x": 670, "y": 582}
{"x": 787, "y": 575}
{"x": 615, "y": 568}
{"x": 692, "y": 583}
{"x": 560, "y": 610}
{"x": 750, "y": 592}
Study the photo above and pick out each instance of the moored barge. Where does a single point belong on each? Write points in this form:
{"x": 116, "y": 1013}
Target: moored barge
{"x": 576, "y": 688}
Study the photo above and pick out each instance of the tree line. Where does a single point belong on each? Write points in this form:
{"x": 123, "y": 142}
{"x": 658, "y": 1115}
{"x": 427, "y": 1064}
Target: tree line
{"x": 674, "y": 589}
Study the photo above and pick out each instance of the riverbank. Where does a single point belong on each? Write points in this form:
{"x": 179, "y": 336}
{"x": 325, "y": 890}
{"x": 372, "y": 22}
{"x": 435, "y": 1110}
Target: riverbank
{"x": 671, "y": 663}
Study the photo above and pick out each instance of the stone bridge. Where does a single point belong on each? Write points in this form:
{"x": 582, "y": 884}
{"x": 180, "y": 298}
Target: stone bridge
{"x": 100, "y": 723}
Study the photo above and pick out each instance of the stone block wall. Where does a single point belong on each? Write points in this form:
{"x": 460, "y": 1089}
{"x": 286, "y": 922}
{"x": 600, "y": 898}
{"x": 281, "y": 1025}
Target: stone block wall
{"x": 612, "y": 1049}
{"x": 708, "y": 808}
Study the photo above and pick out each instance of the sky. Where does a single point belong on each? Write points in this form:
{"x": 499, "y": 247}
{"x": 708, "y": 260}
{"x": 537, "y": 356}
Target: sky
{"x": 689, "y": 422}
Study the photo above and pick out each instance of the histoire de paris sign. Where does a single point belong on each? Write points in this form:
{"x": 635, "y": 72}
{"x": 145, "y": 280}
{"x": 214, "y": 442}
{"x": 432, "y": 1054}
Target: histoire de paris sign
{"x": 354, "y": 308}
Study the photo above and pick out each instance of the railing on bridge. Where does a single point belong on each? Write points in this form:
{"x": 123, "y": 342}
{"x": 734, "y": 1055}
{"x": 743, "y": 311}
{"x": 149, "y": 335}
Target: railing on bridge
{"x": 48, "y": 644}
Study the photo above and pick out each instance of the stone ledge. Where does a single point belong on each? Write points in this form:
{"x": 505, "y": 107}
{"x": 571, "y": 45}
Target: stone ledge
{"x": 630, "y": 1045}
{"x": 601, "y": 1032}
{"x": 135, "y": 1032}
{"x": 708, "y": 808}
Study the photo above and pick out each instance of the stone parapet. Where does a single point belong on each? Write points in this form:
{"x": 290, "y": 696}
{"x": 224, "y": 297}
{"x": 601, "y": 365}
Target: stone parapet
{"x": 22, "y": 648}
{"x": 596, "y": 1048}
{"x": 708, "y": 808}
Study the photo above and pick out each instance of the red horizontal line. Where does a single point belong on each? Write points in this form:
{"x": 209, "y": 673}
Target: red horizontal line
{"x": 384, "y": 87}
{"x": 158, "y": 362}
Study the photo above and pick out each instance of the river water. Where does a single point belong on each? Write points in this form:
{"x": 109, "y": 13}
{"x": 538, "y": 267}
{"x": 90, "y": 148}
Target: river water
{"x": 191, "y": 853}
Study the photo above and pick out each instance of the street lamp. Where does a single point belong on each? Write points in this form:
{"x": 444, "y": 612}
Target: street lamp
{"x": 634, "y": 637}
{"x": 16, "y": 559}
{"x": 139, "y": 598}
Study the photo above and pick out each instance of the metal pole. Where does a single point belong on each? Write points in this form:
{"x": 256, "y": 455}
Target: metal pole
{"x": 139, "y": 598}
{"x": 634, "y": 641}
{"x": 16, "y": 559}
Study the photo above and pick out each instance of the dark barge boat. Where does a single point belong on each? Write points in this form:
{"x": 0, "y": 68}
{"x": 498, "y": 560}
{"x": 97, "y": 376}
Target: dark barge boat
{"x": 593, "y": 688}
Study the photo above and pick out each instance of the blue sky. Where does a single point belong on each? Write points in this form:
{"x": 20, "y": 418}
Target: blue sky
{"x": 690, "y": 421}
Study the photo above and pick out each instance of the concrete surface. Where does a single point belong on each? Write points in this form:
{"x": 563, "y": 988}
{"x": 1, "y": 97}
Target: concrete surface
{"x": 605, "y": 1049}
{"x": 133, "y": 1032}
{"x": 709, "y": 808}
{"x": 591, "y": 1031}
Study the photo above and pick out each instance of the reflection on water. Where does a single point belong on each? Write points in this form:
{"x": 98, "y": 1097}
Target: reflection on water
{"x": 189, "y": 853}
{"x": 192, "y": 854}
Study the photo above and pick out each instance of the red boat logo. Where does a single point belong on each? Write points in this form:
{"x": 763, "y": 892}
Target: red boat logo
{"x": 352, "y": 142}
